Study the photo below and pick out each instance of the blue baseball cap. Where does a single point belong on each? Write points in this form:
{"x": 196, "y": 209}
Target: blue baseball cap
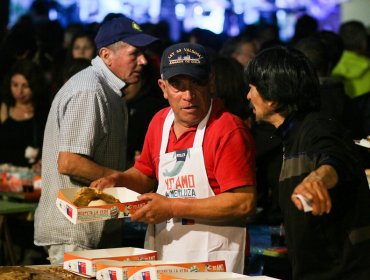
{"x": 122, "y": 29}
{"x": 185, "y": 59}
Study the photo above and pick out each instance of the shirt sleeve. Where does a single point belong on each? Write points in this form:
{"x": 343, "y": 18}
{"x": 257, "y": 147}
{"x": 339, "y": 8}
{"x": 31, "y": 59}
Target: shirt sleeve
{"x": 82, "y": 123}
{"x": 235, "y": 160}
{"x": 331, "y": 144}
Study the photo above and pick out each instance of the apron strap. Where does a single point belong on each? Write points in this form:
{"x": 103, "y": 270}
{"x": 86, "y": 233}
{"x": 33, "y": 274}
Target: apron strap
{"x": 199, "y": 135}
{"x": 166, "y": 131}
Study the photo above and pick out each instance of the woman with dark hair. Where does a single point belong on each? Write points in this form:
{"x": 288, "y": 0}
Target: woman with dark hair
{"x": 79, "y": 53}
{"x": 23, "y": 113}
{"x": 322, "y": 192}
{"x": 82, "y": 46}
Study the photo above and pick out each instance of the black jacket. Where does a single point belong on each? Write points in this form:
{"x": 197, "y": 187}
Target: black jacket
{"x": 335, "y": 245}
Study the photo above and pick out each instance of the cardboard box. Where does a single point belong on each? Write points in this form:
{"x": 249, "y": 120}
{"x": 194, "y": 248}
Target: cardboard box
{"x": 84, "y": 262}
{"x": 110, "y": 270}
{"x": 127, "y": 206}
{"x": 210, "y": 275}
{"x": 202, "y": 275}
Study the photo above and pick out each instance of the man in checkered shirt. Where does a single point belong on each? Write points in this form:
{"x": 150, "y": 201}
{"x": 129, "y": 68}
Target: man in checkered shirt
{"x": 85, "y": 137}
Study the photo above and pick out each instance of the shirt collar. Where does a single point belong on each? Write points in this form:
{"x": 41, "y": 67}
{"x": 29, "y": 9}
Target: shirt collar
{"x": 286, "y": 126}
{"x": 113, "y": 81}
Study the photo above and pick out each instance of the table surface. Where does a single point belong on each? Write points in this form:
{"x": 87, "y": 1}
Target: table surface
{"x": 33, "y": 196}
{"x": 11, "y": 202}
{"x": 11, "y": 207}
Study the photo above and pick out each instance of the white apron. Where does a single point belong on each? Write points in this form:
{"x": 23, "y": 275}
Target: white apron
{"x": 182, "y": 174}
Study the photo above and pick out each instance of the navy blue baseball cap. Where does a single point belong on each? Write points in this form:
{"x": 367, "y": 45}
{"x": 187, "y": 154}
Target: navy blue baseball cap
{"x": 185, "y": 59}
{"x": 122, "y": 29}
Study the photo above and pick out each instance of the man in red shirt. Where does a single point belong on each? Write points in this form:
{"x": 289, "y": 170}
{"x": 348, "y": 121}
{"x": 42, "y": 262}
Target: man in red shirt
{"x": 196, "y": 170}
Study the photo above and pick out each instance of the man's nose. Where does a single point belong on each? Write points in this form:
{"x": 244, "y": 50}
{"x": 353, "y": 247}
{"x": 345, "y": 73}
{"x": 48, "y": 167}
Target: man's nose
{"x": 188, "y": 94}
{"x": 142, "y": 60}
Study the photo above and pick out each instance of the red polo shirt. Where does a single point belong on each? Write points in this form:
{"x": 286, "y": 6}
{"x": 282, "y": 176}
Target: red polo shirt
{"x": 228, "y": 149}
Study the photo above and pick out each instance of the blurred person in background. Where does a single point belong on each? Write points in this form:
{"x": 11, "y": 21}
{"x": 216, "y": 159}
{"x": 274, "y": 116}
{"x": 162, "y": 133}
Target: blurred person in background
{"x": 20, "y": 42}
{"x": 240, "y": 48}
{"x": 227, "y": 83}
{"x": 334, "y": 44}
{"x": 305, "y": 26}
{"x": 23, "y": 113}
{"x": 334, "y": 100}
{"x": 353, "y": 67}
{"x": 75, "y": 66}
{"x": 82, "y": 46}
{"x": 144, "y": 99}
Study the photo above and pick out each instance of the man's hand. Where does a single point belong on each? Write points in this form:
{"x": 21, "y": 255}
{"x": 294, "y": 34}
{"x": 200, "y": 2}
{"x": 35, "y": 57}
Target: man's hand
{"x": 157, "y": 209}
{"x": 224, "y": 208}
{"x": 132, "y": 179}
{"x": 105, "y": 182}
{"x": 314, "y": 188}
{"x": 316, "y": 194}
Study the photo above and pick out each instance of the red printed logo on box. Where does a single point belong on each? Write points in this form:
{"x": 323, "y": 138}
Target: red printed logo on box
{"x": 145, "y": 275}
{"x": 112, "y": 275}
{"x": 82, "y": 267}
{"x": 69, "y": 211}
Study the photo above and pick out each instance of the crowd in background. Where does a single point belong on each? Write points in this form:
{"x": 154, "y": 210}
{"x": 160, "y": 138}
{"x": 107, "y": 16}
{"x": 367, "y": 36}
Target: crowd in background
{"x": 38, "y": 58}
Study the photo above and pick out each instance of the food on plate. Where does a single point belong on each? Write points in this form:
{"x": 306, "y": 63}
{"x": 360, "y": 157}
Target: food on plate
{"x": 87, "y": 195}
{"x": 98, "y": 202}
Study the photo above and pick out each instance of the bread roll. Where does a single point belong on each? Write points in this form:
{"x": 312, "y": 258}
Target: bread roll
{"x": 97, "y": 202}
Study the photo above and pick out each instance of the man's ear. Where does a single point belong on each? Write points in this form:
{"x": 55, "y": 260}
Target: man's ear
{"x": 105, "y": 55}
{"x": 162, "y": 85}
{"x": 272, "y": 104}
